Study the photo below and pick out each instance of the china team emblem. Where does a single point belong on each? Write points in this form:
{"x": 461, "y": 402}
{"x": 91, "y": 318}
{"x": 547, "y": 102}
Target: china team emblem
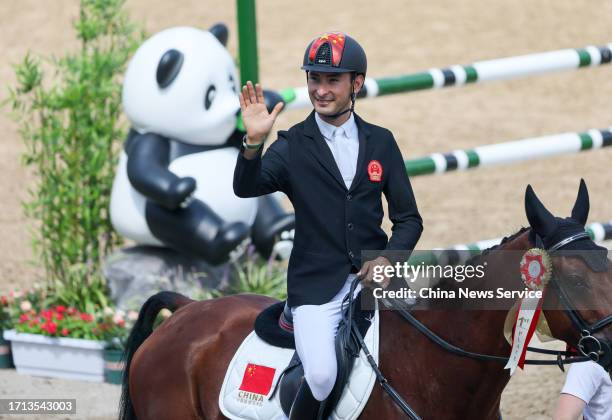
{"x": 375, "y": 171}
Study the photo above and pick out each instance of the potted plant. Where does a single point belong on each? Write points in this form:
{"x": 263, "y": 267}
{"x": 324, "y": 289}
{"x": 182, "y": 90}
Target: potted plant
{"x": 57, "y": 342}
{"x": 61, "y": 330}
{"x": 11, "y": 304}
{"x": 63, "y": 342}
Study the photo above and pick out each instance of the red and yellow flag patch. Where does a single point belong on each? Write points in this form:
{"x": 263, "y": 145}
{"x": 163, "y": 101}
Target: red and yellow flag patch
{"x": 257, "y": 379}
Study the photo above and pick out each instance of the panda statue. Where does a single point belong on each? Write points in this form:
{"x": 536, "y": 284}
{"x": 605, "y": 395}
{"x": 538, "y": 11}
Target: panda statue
{"x": 173, "y": 185}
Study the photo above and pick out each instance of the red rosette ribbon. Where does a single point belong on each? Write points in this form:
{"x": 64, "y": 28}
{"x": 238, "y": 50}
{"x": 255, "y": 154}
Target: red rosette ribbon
{"x": 536, "y": 269}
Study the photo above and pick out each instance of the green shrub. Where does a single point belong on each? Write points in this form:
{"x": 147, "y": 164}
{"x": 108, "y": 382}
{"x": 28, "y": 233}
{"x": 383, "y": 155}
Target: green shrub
{"x": 72, "y": 130}
{"x": 80, "y": 288}
{"x": 260, "y": 277}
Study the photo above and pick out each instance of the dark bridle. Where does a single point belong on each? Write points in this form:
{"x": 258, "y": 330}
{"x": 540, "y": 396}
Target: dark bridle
{"x": 590, "y": 346}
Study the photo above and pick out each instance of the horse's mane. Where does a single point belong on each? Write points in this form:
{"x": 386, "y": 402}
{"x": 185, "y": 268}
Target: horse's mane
{"x": 504, "y": 240}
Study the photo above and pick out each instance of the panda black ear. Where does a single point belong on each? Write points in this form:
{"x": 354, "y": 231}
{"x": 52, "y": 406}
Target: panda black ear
{"x": 220, "y": 31}
{"x": 169, "y": 67}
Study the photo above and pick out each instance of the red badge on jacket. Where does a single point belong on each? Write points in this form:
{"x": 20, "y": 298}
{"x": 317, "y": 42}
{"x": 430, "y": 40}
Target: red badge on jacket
{"x": 375, "y": 171}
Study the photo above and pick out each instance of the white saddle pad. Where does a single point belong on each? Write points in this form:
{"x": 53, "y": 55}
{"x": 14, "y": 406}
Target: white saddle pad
{"x": 255, "y": 368}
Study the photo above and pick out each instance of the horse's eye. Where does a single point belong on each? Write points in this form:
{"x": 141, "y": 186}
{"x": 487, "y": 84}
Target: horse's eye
{"x": 577, "y": 282}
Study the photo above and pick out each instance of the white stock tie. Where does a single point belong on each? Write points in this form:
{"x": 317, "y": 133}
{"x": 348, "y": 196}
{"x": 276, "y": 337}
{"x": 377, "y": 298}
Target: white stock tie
{"x": 343, "y": 159}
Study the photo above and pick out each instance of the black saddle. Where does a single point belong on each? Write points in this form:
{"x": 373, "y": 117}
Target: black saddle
{"x": 274, "y": 325}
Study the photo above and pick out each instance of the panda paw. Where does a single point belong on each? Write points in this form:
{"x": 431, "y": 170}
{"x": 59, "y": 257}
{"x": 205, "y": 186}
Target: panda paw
{"x": 187, "y": 202}
{"x": 282, "y": 248}
{"x": 180, "y": 192}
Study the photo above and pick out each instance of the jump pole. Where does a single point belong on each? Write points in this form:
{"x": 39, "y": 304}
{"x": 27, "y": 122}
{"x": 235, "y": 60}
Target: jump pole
{"x": 460, "y": 253}
{"x": 480, "y": 71}
{"x": 509, "y": 152}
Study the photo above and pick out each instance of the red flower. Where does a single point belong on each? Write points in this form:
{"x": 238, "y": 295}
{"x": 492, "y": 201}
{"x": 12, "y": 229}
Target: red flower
{"x": 23, "y": 318}
{"x": 4, "y": 300}
{"x": 121, "y": 323}
{"x": 72, "y": 311}
{"x": 60, "y": 308}
{"x": 52, "y": 329}
{"x": 47, "y": 314}
{"x": 65, "y": 331}
{"x": 59, "y": 316}
{"x": 87, "y": 317}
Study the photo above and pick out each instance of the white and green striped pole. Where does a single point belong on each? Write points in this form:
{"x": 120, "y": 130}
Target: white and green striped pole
{"x": 597, "y": 231}
{"x": 510, "y": 152}
{"x": 481, "y": 71}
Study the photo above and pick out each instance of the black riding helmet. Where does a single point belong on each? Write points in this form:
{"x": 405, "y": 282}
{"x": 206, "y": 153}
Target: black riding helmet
{"x": 336, "y": 52}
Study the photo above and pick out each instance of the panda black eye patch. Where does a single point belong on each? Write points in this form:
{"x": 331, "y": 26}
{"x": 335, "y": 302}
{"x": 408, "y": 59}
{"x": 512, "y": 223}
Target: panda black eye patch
{"x": 169, "y": 67}
{"x": 210, "y": 96}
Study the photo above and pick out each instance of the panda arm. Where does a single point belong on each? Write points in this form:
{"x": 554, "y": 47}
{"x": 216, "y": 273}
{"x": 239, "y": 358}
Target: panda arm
{"x": 264, "y": 175}
{"x": 147, "y": 169}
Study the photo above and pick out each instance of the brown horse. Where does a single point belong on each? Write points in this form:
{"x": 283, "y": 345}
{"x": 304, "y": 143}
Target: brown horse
{"x": 176, "y": 371}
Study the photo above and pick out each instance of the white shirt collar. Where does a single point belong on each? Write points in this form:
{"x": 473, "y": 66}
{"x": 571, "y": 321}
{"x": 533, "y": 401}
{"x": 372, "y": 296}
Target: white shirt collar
{"x": 327, "y": 129}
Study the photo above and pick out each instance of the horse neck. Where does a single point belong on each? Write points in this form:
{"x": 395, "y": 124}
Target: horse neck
{"x": 484, "y": 329}
{"x": 486, "y": 326}
{"x": 480, "y": 331}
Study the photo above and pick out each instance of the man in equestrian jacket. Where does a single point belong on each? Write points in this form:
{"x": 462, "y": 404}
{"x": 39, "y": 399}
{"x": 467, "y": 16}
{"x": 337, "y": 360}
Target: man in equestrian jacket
{"x": 334, "y": 167}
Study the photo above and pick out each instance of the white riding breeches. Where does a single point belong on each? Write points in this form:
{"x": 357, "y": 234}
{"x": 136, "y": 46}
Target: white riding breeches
{"x": 314, "y": 329}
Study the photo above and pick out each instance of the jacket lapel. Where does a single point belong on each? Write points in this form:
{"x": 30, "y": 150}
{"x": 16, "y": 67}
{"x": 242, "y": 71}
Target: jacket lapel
{"x": 321, "y": 149}
{"x": 364, "y": 151}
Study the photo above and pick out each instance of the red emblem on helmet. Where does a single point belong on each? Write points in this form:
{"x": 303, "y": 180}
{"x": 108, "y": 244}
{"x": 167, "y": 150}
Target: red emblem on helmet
{"x": 375, "y": 171}
{"x": 335, "y": 40}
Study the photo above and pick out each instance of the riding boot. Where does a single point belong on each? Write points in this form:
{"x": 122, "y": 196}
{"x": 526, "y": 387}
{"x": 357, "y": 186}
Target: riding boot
{"x": 305, "y": 406}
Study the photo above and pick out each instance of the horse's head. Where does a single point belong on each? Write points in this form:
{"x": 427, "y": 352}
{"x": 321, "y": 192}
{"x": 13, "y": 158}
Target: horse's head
{"x": 581, "y": 283}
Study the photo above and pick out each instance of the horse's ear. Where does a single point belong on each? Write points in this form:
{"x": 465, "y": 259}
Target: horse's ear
{"x": 580, "y": 212}
{"x": 540, "y": 219}
{"x": 220, "y": 31}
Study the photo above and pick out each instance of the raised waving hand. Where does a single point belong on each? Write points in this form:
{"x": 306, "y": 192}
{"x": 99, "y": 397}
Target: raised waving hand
{"x": 257, "y": 120}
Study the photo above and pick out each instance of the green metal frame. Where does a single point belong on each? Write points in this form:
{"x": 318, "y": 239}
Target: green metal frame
{"x": 247, "y": 41}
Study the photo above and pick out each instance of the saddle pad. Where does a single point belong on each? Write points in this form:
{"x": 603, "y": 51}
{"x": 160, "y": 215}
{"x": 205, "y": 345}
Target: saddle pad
{"x": 256, "y": 367}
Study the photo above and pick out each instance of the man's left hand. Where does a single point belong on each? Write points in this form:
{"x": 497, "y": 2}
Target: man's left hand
{"x": 367, "y": 273}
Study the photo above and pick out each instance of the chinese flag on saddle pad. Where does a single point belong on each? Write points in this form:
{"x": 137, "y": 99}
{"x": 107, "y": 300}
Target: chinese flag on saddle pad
{"x": 257, "y": 379}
